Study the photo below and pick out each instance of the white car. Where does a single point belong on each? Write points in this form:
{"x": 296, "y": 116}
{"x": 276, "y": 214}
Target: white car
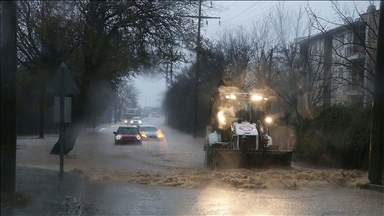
{"x": 136, "y": 121}
{"x": 151, "y": 132}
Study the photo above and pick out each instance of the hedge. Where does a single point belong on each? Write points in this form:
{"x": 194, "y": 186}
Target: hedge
{"x": 338, "y": 136}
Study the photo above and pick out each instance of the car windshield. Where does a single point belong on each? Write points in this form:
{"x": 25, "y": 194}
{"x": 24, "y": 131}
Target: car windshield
{"x": 136, "y": 118}
{"x": 127, "y": 131}
{"x": 148, "y": 129}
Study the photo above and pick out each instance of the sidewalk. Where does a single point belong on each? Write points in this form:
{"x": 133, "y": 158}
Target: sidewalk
{"x": 47, "y": 194}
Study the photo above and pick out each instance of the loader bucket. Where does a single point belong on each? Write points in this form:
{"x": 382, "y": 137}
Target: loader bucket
{"x": 232, "y": 159}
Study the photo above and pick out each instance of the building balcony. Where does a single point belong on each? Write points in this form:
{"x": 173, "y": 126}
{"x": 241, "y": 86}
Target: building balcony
{"x": 355, "y": 52}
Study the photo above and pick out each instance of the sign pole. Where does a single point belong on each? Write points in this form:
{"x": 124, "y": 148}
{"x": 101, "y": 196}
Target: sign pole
{"x": 62, "y": 84}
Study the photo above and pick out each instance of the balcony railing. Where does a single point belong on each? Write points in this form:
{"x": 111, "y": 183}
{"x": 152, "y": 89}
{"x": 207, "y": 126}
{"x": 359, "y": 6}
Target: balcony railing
{"x": 355, "y": 52}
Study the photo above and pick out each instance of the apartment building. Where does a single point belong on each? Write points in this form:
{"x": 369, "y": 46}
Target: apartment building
{"x": 339, "y": 64}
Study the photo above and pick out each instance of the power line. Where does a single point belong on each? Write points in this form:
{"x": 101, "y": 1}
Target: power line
{"x": 269, "y": 9}
{"x": 242, "y": 12}
{"x": 259, "y": 6}
{"x": 226, "y": 8}
{"x": 220, "y": 24}
{"x": 259, "y": 14}
{"x": 232, "y": 4}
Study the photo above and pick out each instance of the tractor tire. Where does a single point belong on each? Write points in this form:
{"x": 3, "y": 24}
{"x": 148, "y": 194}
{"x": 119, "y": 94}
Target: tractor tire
{"x": 213, "y": 161}
{"x": 208, "y": 158}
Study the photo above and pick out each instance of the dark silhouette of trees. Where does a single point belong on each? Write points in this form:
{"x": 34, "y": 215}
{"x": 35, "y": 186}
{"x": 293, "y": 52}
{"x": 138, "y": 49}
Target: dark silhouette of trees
{"x": 100, "y": 41}
{"x": 8, "y": 99}
{"x": 178, "y": 101}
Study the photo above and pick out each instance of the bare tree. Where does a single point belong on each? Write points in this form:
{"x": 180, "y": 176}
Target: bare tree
{"x": 280, "y": 60}
{"x": 237, "y": 50}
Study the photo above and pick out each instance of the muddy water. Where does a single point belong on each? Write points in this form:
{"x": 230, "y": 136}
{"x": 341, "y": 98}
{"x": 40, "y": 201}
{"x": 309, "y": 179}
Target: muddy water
{"x": 257, "y": 179}
{"x": 170, "y": 164}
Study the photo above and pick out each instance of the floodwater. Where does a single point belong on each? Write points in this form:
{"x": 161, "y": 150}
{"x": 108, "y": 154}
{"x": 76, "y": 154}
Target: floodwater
{"x": 176, "y": 162}
{"x": 169, "y": 178}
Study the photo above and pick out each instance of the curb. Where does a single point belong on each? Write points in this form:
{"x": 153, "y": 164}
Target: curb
{"x": 375, "y": 187}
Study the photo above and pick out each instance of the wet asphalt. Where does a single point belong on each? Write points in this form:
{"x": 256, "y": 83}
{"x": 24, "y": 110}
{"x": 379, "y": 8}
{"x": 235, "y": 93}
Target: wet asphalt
{"x": 95, "y": 152}
{"x": 106, "y": 198}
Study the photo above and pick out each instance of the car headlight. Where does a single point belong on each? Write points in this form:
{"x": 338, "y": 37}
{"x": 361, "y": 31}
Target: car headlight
{"x": 221, "y": 117}
{"x": 257, "y": 97}
{"x": 138, "y": 137}
{"x": 143, "y": 134}
{"x": 268, "y": 120}
{"x": 139, "y": 121}
{"x": 160, "y": 134}
{"x": 125, "y": 121}
{"x": 233, "y": 97}
{"x": 118, "y": 137}
{"x": 131, "y": 122}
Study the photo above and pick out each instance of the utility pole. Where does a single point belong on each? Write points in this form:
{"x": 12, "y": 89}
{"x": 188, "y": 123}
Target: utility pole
{"x": 166, "y": 76}
{"x": 116, "y": 97}
{"x": 196, "y": 92}
{"x": 171, "y": 67}
{"x": 376, "y": 155}
{"x": 195, "y": 120}
{"x": 169, "y": 70}
{"x": 270, "y": 66}
{"x": 42, "y": 89}
{"x": 8, "y": 97}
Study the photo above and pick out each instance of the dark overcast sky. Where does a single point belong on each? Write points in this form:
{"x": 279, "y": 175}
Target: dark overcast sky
{"x": 233, "y": 14}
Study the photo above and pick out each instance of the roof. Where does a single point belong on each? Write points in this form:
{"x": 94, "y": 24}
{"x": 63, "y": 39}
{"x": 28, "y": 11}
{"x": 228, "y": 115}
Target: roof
{"x": 337, "y": 30}
{"x": 148, "y": 126}
{"x": 331, "y": 32}
{"x": 127, "y": 126}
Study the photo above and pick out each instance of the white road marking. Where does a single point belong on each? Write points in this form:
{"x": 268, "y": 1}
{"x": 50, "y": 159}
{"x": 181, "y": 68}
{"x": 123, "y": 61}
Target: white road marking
{"x": 102, "y": 129}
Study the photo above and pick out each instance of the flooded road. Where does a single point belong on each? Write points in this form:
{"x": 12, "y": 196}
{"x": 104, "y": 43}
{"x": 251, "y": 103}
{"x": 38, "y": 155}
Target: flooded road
{"x": 95, "y": 151}
{"x": 169, "y": 177}
{"x": 106, "y": 198}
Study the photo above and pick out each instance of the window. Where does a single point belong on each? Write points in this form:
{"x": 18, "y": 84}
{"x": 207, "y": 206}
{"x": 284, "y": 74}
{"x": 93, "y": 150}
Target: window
{"x": 314, "y": 47}
{"x": 340, "y": 72}
{"x": 349, "y": 38}
{"x": 148, "y": 128}
{"x": 127, "y": 131}
{"x": 354, "y": 81}
{"x": 339, "y": 41}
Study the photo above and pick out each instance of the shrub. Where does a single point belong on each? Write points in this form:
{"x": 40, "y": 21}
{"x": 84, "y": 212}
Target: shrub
{"x": 337, "y": 137}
